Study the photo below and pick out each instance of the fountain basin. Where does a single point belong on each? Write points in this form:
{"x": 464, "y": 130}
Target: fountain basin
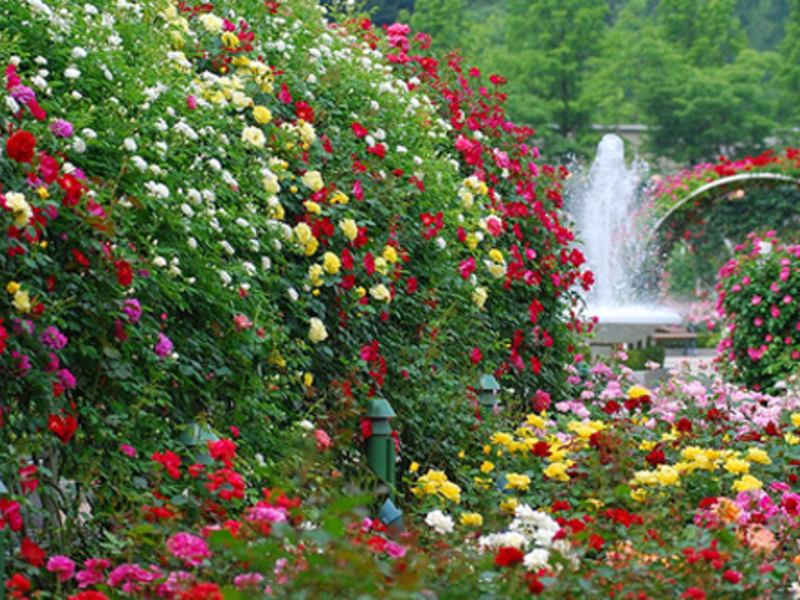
{"x": 629, "y": 324}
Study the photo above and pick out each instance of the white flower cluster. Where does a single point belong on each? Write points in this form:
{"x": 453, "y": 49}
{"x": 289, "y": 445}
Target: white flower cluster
{"x": 439, "y": 522}
{"x": 531, "y": 531}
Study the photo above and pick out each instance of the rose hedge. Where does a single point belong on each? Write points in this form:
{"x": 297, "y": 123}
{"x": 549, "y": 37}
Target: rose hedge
{"x": 758, "y": 302}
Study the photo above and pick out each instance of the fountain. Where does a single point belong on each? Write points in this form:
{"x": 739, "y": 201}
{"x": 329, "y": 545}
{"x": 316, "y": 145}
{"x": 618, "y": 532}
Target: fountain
{"x": 603, "y": 210}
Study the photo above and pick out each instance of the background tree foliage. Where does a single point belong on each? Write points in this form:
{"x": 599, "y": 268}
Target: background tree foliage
{"x": 707, "y": 77}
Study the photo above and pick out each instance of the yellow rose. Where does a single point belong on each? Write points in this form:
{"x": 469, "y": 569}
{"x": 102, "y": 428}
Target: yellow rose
{"x": 312, "y": 207}
{"x": 230, "y": 39}
{"x": 270, "y": 182}
{"x": 472, "y": 241}
{"x": 241, "y": 100}
{"x": 311, "y": 247}
{"x": 390, "y": 254}
{"x": 748, "y": 482}
{"x": 20, "y": 208}
{"x": 262, "y": 115}
{"x": 254, "y": 136}
{"x": 497, "y": 270}
{"x": 638, "y": 391}
{"x": 22, "y": 301}
{"x": 737, "y": 466}
{"x": 313, "y": 180}
{"x": 12, "y": 287}
{"x": 43, "y": 193}
{"x": 479, "y": 296}
{"x": 315, "y": 275}
{"x": 450, "y": 491}
{"x": 510, "y": 505}
{"x": 331, "y": 263}
{"x": 556, "y": 470}
{"x": 339, "y": 198}
{"x": 471, "y": 519}
{"x": 486, "y": 467}
{"x": 349, "y": 228}
{"x": 536, "y": 421}
{"x": 667, "y": 475}
{"x": 211, "y": 22}
{"x": 276, "y": 211}
{"x": 501, "y": 438}
{"x": 380, "y": 293}
{"x": 303, "y": 233}
{"x": 381, "y": 266}
{"x": 515, "y": 481}
{"x": 307, "y": 133}
{"x": 361, "y": 292}
{"x": 496, "y": 255}
{"x": 316, "y": 331}
{"x": 413, "y": 467}
{"x": 757, "y": 455}
{"x": 645, "y": 478}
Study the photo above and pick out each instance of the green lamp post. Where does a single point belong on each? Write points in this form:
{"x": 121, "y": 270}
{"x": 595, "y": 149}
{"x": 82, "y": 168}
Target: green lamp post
{"x": 380, "y": 445}
{"x": 381, "y": 457}
{"x": 196, "y": 437}
{"x": 3, "y": 490}
{"x": 488, "y": 389}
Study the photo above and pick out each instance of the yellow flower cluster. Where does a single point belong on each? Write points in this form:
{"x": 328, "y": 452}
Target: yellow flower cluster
{"x": 665, "y": 476}
{"x": 469, "y": 188}
{"x": 637, "y": 391}
{"x": 21, "y": 299}
{"x": 585, "y": 430}
{"x": 305, "y": 237}
{"x": 515, "y": 481}
{"x": 435, "y": 483}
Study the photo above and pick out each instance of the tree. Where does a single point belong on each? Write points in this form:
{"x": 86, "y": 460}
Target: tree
{"x": 443, "y": 20}
{"x": 695, "y": 113}
{"x": 788, "y": 75}
{"x": 615, "y": 74}
{"x": 706, "y": 31}
{"x": 548, "y": 44}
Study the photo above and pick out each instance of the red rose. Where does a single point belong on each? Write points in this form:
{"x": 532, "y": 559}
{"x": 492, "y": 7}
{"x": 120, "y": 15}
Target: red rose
{"x": 21, "y": 147}
{"x": 73, "y": 190}
{"x": 124, "y": 273}
{"x": 31, "y": 552}
{"x": 508, "y": 556}
{"x": 63, "y": 427}
{"x": 304, "y": 111}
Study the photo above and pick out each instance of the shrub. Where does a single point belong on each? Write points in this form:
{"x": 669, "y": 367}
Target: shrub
{"x": 758, "y": 300}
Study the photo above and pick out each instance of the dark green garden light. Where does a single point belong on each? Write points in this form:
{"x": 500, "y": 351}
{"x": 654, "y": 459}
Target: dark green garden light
{"x": 381, "y": 456}
{"x": 380, "y": 445}
{"x": 488, "y": 389}
{"x": 3, "y": 490}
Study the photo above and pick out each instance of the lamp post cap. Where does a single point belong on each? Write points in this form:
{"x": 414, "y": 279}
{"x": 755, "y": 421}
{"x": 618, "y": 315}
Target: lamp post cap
{"x": 379, "y": 408}
{"x": 197, "y": 434}
{"x": 488, "y": 383}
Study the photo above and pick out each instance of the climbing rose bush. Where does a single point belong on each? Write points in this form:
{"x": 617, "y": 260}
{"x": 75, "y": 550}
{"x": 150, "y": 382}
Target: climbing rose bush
{"x": 758, "y": 302}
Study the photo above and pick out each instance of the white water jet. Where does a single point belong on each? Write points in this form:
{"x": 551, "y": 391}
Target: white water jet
{"x": 603, "y": 211}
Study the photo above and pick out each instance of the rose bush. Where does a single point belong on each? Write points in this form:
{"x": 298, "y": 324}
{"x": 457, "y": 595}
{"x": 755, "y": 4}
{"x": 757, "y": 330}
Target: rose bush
{"x": 220, "y": 220}
{"x": 758, "y": 304}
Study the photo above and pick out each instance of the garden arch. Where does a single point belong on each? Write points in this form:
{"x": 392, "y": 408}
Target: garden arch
{"x": 678, "y": 215}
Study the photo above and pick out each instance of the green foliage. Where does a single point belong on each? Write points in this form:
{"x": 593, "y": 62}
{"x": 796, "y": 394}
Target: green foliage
{"x": 443, "y": 20}
{"x": 548, "y": 44}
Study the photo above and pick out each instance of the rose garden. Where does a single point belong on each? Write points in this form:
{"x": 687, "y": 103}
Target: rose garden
{"x": 290, "y": 308}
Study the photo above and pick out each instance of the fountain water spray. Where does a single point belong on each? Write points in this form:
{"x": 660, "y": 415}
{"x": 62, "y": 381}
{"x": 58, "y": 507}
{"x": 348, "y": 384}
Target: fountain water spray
{"x": 603, "y": 209}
